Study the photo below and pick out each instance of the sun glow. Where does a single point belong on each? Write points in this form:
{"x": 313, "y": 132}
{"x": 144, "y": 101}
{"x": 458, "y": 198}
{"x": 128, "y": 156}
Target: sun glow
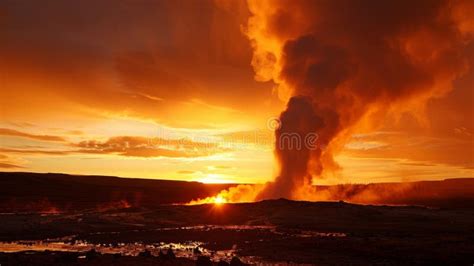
{"x": 214, "y": 179}
{"x": 219, "y": 200}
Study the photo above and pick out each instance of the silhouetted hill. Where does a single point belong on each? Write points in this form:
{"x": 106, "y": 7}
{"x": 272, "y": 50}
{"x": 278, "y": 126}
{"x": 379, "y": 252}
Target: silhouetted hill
{"x": 23, "y": 192}
{"x": 52, "y": 192}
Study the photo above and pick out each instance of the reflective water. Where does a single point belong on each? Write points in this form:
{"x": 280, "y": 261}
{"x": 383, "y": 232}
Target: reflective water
{"x": 187, "y": 249}
{"x": 190, "y": 249}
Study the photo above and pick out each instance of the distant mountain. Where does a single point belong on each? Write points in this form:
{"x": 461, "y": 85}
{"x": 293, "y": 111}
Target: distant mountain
{"x": 24, "y": 192}
{"x": 57, "y": 192}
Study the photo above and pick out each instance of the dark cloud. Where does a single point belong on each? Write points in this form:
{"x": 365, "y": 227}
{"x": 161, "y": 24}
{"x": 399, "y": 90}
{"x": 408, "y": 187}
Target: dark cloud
{"x": 297, "y": 122}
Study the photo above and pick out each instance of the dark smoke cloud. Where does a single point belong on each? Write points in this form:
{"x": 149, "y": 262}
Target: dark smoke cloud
{"x": 346, "y": 60}
{"x": 297, "y": 122}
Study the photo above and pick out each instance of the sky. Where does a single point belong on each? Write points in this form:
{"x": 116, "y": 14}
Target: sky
{"x": 170, "y": 90}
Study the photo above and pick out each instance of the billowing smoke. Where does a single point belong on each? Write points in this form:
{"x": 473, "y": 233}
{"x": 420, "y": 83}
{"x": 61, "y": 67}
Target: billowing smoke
{"x": 294, "y": 137}
{"x": 341, "y": 62}
{"x": 344, "y": 65}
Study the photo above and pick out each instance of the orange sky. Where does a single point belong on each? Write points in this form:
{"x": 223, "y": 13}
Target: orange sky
{"x": 166, "y": 90}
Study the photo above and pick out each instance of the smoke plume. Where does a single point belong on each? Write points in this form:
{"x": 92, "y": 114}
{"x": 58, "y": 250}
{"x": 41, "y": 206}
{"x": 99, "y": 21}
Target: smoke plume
{"x": 297, "y": 123}
{"x": 340, "y": 63}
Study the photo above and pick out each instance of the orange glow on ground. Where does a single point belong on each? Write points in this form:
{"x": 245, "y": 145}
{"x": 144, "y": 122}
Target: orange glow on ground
{"x": 219, "y": 200}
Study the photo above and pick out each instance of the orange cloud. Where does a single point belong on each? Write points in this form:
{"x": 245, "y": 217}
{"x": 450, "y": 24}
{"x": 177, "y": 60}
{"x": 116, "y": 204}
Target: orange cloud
{"x": 130, "y": 146}
{"x": 9, "y": 166}
{"x": 33, "y": 151}
{"x": 414, "y": 147}
{"x": 151, "y": 75}
{"x": 16, "y": 133}
{"x": 149, "y": 147}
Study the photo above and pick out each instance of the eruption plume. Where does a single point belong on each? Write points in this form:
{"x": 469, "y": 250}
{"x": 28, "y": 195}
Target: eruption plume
{"x": 298, "y": 124}
{"x": 340, "y": 61}
{"x": 344, "y": 65}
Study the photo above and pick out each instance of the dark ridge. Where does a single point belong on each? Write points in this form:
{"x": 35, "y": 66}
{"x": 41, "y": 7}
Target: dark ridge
{"x": 35, "y": 192}
{"x": 49, "y": 192}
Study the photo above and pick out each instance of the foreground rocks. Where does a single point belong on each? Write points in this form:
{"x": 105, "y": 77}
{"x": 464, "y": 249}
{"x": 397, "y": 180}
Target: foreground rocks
{"x": 95, "y": 258}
